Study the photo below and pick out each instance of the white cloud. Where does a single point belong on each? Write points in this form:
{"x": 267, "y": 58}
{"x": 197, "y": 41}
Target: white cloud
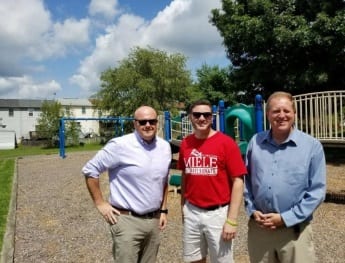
{"x": 107, "y": 8}
{"x": 110, "y": 48}
{"x": 28, "y": 37}
{"x": 72, "y": 32}
{"x": 182, "y": 27}
{"x": 19, "y": 31}
{"x": 30, "y": 32}
{"x": 33, "y": 43}
{"x": 24, "y": 87}
{"x": 61, "y": 39}
{"x": 20, "y": 17}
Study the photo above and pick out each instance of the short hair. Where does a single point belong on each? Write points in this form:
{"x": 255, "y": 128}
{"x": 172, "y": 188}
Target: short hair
{"x": 280, "y": 94}
{"x": 197, "y": 103}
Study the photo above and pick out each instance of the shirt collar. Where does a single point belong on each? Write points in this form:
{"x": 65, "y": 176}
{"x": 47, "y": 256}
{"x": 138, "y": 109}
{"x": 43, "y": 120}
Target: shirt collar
{"x": 143, "y": 142}
{"x": 291, "y": 139}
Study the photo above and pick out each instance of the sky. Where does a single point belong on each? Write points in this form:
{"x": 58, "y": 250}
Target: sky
{"x": 52, "y": 49}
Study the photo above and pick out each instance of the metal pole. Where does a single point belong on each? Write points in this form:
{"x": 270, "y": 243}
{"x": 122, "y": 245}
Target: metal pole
{"x": 259, "y": 117}
{"x": 214, "y": 117}
{"x": 221, "y": 116}
{"x": 167, "y": 126}
{"x": 62, "y": 138}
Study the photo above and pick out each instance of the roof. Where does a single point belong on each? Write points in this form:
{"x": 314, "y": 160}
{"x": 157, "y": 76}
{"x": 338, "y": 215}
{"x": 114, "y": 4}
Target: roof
{"x": 20, "y": 103}
{"x": 23, "y": 103}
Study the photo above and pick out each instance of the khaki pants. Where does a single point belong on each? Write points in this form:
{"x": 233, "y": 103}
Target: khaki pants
{"x": 135, "y": 239}
{"x": 282, "y": 245}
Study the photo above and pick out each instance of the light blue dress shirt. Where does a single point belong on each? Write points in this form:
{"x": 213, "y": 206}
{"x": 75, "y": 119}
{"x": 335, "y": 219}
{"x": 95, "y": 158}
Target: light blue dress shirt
{"x": 138, "y": 172}
{"x": 289, "y": 178}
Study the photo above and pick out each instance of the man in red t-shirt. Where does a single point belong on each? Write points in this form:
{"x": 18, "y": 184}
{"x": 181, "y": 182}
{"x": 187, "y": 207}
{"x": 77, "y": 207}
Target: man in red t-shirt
{"x": 212, "y": 179}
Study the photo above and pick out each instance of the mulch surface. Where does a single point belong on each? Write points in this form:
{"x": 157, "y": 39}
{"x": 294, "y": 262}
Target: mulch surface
{"x": 56, "y": 220}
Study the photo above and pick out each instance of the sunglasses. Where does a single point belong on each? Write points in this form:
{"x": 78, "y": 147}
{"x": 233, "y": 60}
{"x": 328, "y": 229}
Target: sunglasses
{"x": 206, "y": 115}
{"x": 151, "y": 122}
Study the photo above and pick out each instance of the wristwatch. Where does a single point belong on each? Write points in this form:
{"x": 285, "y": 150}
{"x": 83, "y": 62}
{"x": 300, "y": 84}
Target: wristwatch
{"x": 163, "y": 211}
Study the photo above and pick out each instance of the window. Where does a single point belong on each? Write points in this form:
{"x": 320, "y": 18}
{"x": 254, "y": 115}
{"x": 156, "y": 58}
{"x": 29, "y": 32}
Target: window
{"x": 31, "y": 112}
{"x": 83, "y": 110}
{"x": 10, "y": 112}
{"x": 68, "y": 111}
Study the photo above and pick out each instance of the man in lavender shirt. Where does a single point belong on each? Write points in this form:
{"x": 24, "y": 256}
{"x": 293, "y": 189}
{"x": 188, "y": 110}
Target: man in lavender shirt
{"x": 138, "y": 167}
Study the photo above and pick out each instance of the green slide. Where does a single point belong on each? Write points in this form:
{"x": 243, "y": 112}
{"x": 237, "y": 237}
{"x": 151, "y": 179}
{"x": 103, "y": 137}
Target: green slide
{"x": 246, "y": 115}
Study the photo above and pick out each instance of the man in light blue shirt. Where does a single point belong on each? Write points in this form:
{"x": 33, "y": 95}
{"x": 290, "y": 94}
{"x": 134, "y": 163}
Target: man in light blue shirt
{"x": 286, "y": 182}
{"x": 138, "y": 167}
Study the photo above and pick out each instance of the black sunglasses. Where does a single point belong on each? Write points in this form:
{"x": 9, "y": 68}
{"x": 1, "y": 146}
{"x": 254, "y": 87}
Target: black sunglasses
{"x": 206, "y": 115}
{"x": 143, "y": 122}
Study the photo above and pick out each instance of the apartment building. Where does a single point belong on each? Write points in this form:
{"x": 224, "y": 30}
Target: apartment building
{"x": 21, "y": 115}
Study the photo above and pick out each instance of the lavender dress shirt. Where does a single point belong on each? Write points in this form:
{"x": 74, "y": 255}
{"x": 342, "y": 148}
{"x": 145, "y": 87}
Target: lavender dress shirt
{"x": 138, "y": 171}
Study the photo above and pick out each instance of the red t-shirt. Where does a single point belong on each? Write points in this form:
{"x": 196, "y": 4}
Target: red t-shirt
{"x": 208, "y": 165}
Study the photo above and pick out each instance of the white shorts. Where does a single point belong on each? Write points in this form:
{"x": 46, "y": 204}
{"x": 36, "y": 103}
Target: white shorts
{"x": 202, "y": 232}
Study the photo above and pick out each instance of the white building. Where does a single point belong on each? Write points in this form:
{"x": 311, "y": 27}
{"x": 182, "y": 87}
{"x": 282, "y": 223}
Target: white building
{"x": 7, "y": 139}
{"x": 82, "y": 108}
{"x": 21, "y": 115}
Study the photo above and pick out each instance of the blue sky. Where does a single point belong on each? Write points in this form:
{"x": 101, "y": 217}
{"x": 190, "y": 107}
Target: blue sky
{"x": 58, "y": 49}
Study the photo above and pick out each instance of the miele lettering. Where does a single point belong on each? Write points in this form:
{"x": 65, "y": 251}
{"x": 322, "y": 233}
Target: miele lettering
{"x": 203, "y": 161}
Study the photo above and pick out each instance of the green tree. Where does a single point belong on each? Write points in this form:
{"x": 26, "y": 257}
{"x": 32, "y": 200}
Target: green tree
{"x": 49, "y": 121}
{"x": 72, "y": 131}
{"x": 148, "y": 76}
{"x": 193, "y": 93}
{"x": 292, "y": 45}
{"x": 214, "y": 84}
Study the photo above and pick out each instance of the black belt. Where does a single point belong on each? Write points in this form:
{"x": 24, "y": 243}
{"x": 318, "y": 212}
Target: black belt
{"x": 213, "y": 207}
{"x": 148, "y": 215}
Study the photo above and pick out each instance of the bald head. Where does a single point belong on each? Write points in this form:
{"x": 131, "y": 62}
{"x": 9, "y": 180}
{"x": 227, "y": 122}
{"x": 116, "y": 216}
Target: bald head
{"x": 145, "y": 123}
{"x": 144, "y": 111}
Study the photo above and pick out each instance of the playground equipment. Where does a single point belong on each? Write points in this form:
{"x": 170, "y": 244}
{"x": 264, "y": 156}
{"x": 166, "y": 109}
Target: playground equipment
{"x": 320, "y": 114}
{"x": 245, "y": 114}
{"x": 240, "y": 122}
{"x": 250, "y": 121}
{"x": 118, "y": 128}
{"x": 175, "y": 182}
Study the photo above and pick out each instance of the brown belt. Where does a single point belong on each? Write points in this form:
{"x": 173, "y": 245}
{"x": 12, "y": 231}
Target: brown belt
{"x": 148, "y": 215}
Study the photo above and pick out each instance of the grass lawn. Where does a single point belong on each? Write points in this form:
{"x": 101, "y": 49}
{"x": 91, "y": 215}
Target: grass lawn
{"x": 6, "y": 176}
{"x": 7, "y": 162}
{"x": 39, "y": 150}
